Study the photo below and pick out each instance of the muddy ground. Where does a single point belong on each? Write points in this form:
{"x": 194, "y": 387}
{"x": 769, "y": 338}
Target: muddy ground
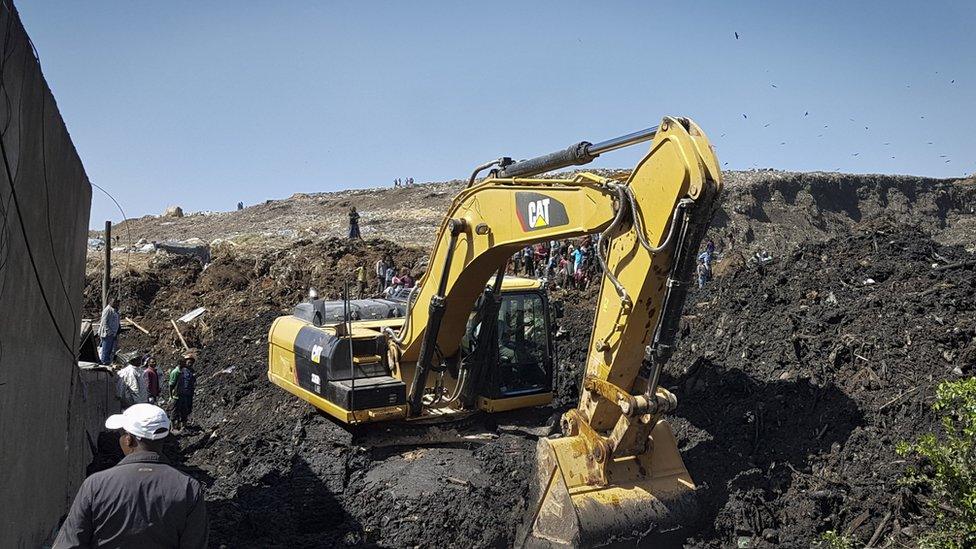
{"x": 794, "y": 383}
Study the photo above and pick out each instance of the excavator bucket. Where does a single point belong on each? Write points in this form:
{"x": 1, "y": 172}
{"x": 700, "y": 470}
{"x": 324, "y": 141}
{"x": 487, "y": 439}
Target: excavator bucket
{"x": 645, "y": 501}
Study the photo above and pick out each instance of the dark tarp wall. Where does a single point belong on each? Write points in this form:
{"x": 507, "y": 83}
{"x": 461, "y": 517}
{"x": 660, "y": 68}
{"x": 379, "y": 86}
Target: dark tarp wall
{"x": 43, "y": 452}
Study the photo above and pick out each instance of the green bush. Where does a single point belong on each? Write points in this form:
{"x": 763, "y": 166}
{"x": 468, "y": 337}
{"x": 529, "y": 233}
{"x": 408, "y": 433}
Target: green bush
{"x": 949, "y": 467}
{"x": 832, "y": 540}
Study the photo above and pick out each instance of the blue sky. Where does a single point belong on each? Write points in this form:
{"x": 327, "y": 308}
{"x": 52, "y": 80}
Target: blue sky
{"x": 204, "y": 104}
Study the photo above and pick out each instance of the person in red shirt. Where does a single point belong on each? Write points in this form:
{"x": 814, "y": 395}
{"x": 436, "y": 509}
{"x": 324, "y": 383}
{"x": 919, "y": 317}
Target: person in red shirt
{"x": 151, "y": 375}
{"x": 541, "y": 257}
{"x": 406, "y": 280}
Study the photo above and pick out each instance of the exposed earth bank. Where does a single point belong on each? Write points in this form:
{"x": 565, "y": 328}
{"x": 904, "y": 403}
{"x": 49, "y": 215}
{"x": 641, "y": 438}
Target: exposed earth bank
{"x": 794, "y": 382}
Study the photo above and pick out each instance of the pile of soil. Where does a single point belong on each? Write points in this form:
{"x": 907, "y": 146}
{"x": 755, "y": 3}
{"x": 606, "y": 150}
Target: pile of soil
{"x": 794, "y": 383}
{"x": 279, "y": 473}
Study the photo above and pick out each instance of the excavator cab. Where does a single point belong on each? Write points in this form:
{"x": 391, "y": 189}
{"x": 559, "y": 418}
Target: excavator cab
{"x": 521, "y": 350}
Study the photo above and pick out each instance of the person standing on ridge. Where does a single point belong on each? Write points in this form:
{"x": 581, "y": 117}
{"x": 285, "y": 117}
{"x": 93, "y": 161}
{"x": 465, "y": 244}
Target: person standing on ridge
{"x": 354, "y": 224}
{"x": 108, "y": 331}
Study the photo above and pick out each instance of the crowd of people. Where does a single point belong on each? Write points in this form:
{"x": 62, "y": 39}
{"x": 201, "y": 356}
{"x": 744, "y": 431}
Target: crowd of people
{"x": 138, "y": 382}
{"x": 567, "y": 263}
{"x": 143, "y": 501}
{"x": 401, "y": 183}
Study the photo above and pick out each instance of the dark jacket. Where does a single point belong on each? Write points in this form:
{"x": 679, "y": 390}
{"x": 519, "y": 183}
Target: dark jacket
{"x": 141, "y": 502}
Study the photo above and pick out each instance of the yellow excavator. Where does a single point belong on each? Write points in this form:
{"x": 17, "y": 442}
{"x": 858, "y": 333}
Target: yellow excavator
{"x": 469, "y": 338}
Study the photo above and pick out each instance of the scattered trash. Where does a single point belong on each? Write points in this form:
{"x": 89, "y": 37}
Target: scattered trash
{"x": 192, "y": 314}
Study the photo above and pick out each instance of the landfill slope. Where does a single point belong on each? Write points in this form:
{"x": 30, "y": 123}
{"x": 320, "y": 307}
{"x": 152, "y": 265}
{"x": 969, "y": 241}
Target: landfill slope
{"x": 797, "y": 382}
{"x": 794, "y": 383}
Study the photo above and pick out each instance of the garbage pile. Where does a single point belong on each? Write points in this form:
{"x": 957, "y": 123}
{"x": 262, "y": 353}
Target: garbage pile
{"x": 795, "y": 381}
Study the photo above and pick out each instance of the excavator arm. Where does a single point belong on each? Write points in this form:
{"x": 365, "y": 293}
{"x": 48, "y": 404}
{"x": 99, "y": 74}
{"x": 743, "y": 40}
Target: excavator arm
{"x": 616, "y": 471}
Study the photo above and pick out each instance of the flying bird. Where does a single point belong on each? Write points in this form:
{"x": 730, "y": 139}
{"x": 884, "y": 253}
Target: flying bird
{"x": 782, "y": 142}
{"x": 736, "y": 35}
{"x": 930, "y": 142}
{"x": 806, "y": 113}
{"x": 773, "y": 85}
{"x": 865, "y": 127}
{"x": 952, "y": 81}
{"x": 744, "y": 115}
{"x": 855, "y": 154}
{"x": 887, "y": 143}
{"x": 947, "y": 161}
{"x": 821, "y": 135}
{"x": 765, "y": 125}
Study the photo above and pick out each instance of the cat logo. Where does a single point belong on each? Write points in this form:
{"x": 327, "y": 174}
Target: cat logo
{"x": 538, "y": 211}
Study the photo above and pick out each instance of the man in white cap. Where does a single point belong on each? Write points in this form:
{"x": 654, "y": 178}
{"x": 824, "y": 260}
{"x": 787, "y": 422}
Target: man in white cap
{"x": 142, "y": 501}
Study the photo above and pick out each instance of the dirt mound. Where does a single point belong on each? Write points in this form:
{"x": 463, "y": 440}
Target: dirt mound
{"x": 794, "y": 382}
{"x": 278, "y": 473}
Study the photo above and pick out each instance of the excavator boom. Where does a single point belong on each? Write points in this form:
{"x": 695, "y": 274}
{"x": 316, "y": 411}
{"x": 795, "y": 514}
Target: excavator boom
{"x": 617, "y": 471}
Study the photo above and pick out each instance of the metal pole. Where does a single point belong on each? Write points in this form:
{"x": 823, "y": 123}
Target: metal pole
{"x": 347, "y": 317}
{"x": 622, "y": 141}
{"x": 107, "y": 273}
{"x": 576, "y": 155}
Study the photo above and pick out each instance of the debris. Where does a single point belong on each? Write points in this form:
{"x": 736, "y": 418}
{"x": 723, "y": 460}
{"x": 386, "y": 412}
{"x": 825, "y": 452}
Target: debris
{"x": 133, "y": 323}
{"x": 173, "y": 211}
{"x": 192, "y": 314}
{"x": 458, "y": 481}
{"x": 193, "y": 247}
{"x": 879, "y": 530}
{"x": 177, "y": 328}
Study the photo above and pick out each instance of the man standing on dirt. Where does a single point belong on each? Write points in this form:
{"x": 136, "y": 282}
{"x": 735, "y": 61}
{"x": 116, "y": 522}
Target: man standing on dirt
{"x": 390, "y": 274}
{"x": 186, "y": 385}
{"x": 354, "y": 224}
{"x": 151, "y": 377}
{"x": 171, "y": 379}
{"x": 108, "y": 331}
{"x": 379, "y": 271}
{"x": 142, "y": 501}
{"x": 130, "y": 386}
{"x": 704, "y": 273}
{"x": 361, "y": 280}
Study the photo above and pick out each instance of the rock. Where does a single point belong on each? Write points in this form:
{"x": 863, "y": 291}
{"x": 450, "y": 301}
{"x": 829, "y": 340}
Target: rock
{"x": 173, "y": 211}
